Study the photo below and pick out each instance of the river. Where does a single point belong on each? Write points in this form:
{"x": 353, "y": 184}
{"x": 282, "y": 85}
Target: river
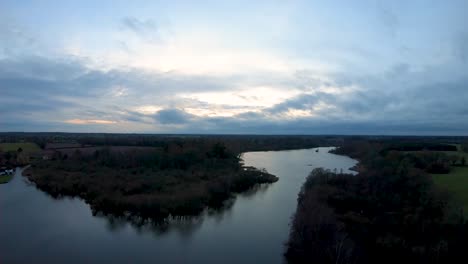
{"x": 36, "y": 228}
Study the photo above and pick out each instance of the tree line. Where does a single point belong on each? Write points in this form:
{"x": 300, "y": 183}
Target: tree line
{"x": 390, "y": 212}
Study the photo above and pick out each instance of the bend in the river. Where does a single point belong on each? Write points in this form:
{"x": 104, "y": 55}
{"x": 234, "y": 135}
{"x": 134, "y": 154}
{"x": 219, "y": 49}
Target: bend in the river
{"x": 37, "y": 228}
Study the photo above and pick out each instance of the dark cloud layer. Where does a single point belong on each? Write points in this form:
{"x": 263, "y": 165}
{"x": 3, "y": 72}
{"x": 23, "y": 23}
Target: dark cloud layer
{"x": 172, "y": 117}
{"x": 39, "y": 94}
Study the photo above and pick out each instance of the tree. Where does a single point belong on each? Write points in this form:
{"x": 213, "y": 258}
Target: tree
{"x": 453, "y": 159}
{"x": 218, "y": 151}
{"x": 464, "y": 147}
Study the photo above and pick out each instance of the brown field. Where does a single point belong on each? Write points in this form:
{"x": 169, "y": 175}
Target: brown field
{"x": 117, "y": 149}
{"x": 62, "y": 145}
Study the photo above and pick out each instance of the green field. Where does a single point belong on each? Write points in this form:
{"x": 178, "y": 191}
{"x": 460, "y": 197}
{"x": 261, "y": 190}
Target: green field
{"x": 26, "y": 146}
{"x": 455, "y": 182}
{"x": 5, "y": 178}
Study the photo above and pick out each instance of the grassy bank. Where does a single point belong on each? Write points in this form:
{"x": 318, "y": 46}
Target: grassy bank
{"x": 5, "y": 178}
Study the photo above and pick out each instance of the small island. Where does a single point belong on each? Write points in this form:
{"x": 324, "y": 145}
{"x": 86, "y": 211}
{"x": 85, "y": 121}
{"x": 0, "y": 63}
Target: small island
{"x": 145, "y": 182}
{"x": 144, "y": 177}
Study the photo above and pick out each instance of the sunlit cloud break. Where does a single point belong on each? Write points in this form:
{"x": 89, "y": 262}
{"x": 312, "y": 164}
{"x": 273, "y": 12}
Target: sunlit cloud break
{"x": 89, "y": 121}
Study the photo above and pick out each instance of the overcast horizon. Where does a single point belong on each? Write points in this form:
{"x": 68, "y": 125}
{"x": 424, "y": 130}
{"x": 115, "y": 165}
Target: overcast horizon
{"x": 243, "y": 67}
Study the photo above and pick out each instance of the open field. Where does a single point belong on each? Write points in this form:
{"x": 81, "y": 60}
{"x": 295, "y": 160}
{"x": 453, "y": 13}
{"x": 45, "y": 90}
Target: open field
{"x": 115, "y": 149}
{"x": 457, "y": 183}
{"x": 5, "y": 178}
{"x": 458, "y": 154}
{"x": 26, "y": 146}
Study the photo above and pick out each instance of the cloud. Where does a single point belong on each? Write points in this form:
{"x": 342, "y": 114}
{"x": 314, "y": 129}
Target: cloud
{"x": 65, "y": 95}
{"x": 461, "y": 47}
{"x": 145, "y": 29}
{"x": 41, "y": 68}
{"x": 172, "y": 117}
{"x": 89, "y": 121}
{"x": 15, "y": 39}
{"x": 302, "y": 102}
{"x": 137, "y": 25}
{"x": 388, "y": 18}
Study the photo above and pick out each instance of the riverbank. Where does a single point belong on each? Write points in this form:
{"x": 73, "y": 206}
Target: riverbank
{"x": 6, "y": 178}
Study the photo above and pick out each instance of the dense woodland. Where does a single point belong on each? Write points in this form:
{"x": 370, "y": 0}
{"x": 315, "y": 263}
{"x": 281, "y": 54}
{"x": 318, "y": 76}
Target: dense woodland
{"x": 390, "y": 212}
{"x": 181, "y": 179}
{"x": 148, "y": 176}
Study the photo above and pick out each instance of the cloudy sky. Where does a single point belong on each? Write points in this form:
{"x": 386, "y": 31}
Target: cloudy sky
{"x": 263, "y": 67}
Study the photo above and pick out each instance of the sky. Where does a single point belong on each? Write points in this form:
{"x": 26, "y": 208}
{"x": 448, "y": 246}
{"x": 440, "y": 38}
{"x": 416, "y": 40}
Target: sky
{"x": 235, "y": 67}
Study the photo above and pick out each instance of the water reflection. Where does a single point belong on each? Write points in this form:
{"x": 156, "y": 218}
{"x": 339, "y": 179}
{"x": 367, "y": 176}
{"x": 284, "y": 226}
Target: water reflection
{"x": 259, "y": 189}
{"x": 183, "y": 225}
{"x": 34, "y": 228}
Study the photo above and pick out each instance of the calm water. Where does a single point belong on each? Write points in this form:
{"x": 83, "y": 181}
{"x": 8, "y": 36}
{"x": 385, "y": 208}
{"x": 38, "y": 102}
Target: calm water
{"x": 35, "y": 228}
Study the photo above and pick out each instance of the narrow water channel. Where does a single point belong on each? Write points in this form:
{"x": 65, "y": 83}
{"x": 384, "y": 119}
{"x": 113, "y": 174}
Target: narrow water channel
{"x": 35, "y": 228}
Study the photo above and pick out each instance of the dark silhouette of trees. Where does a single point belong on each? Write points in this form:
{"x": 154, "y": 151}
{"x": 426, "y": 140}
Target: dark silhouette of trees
{"x": 453, "y": 159}
{"x": 390, "y": 212}
{"x": 181, "y": 179}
